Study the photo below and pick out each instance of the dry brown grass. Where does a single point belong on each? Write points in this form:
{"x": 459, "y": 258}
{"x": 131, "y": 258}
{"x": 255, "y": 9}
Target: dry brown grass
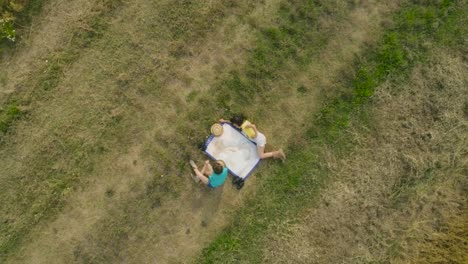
{"x": 47, "y": 34}
{"x": 143, "y": 163}
{"x": 127, "y": 100}
{"x": 401, "y": 195}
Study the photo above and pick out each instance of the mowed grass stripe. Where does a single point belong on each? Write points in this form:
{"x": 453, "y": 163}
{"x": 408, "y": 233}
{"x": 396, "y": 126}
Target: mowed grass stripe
{"x": 38, "y": 197}
{"x": 27, "y": 197}
{"x": 282, "y": 51}
{"x": 114, "y": 232}
{"x": 368, "y": 212}
{"x": 48, "y": 77}
{"x": 293, "y": 187}
{"x": 120, "y": 128}
{"x": 138, "y": 212}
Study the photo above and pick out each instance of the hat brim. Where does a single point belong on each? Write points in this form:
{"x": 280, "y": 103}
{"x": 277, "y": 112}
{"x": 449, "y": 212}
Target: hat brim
{"x": 217, "y": 130}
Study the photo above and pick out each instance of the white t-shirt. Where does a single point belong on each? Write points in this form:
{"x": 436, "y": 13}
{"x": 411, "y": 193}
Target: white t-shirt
{"x": 260, "y": 139}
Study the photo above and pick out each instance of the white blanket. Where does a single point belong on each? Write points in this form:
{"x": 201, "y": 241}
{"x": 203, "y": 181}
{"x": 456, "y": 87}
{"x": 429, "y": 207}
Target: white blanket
{"x": 236, "y": 150}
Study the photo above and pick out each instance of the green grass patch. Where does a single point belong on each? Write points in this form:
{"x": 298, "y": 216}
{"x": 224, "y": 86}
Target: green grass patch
{"x": 281, "y": 50}
{"x": 31, "y": 9}
{"x": 277, "y": 197}
{"x": 16, "y": 15}
{"x": 236, "y": 85}
{"x": 289, "y": 189}
{"x": 45, "y": 194}
{"x": 68, "y": 162}
{"x": 185, "y": 22}
{"x": 393, "y": 58}
{"x": 7, "y": 116}
{"x": 286, "y": 46}
{"x": 192, "y": 19}
{"x": 52, "y": 73}
{"x": 49, "y": 76}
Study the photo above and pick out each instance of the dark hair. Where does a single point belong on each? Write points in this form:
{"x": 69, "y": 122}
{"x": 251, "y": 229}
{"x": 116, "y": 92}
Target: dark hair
{"x": 217, "y": 168}
{"x": 237, "y": 119}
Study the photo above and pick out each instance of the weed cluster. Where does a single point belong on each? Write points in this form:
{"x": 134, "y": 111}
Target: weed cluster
{"x": 14, "y": 14}
{"x": 7, "y": 11}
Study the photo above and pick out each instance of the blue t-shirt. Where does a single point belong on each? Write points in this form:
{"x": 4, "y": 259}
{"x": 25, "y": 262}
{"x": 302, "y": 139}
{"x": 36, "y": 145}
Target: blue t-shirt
{"x": 217, "y": 180}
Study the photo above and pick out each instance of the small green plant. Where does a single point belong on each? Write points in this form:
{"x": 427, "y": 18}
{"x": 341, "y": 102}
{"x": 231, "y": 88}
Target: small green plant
{"x": 8, "y": 13}
{"x": 7, "y": 116}
{"x": 13, "y": 13}
{"x": 6, "y": 30}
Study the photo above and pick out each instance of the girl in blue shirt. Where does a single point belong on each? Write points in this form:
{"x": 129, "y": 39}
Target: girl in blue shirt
{"x": 213, "y": 175}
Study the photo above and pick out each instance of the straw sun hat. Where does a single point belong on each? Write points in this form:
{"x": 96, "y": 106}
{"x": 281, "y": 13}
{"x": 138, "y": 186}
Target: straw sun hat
{"x": 217, "y": 129}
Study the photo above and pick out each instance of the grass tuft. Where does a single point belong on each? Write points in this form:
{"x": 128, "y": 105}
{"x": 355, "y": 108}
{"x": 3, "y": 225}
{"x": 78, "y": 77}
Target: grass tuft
{"x": 8, "y": 116}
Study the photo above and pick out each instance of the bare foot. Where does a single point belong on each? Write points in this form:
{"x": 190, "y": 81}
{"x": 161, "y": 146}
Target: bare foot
{"x": 192, "y": 163}
{"x": 282, "y": 156}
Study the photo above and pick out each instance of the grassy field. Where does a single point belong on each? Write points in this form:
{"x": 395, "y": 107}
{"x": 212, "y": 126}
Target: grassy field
{"x": 103, "y": 102}
{"x": 348, "y": 126}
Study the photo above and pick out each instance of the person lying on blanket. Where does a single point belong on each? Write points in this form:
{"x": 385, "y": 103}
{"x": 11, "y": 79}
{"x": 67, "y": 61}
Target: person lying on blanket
{"x": 213, "y": 175}
{"x": 250, "y": 130}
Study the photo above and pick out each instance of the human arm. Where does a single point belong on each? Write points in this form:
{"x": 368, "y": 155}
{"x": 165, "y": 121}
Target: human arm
{"x": 201, "y": 174}
{"x": 252, "y": 126}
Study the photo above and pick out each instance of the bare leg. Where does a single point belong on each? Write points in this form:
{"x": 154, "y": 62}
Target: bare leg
{"x": 274, "y": 154}
{"x": 206, "y": 171}
{"x": 202, "y": 177}
{"x": 262, "y": 154}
